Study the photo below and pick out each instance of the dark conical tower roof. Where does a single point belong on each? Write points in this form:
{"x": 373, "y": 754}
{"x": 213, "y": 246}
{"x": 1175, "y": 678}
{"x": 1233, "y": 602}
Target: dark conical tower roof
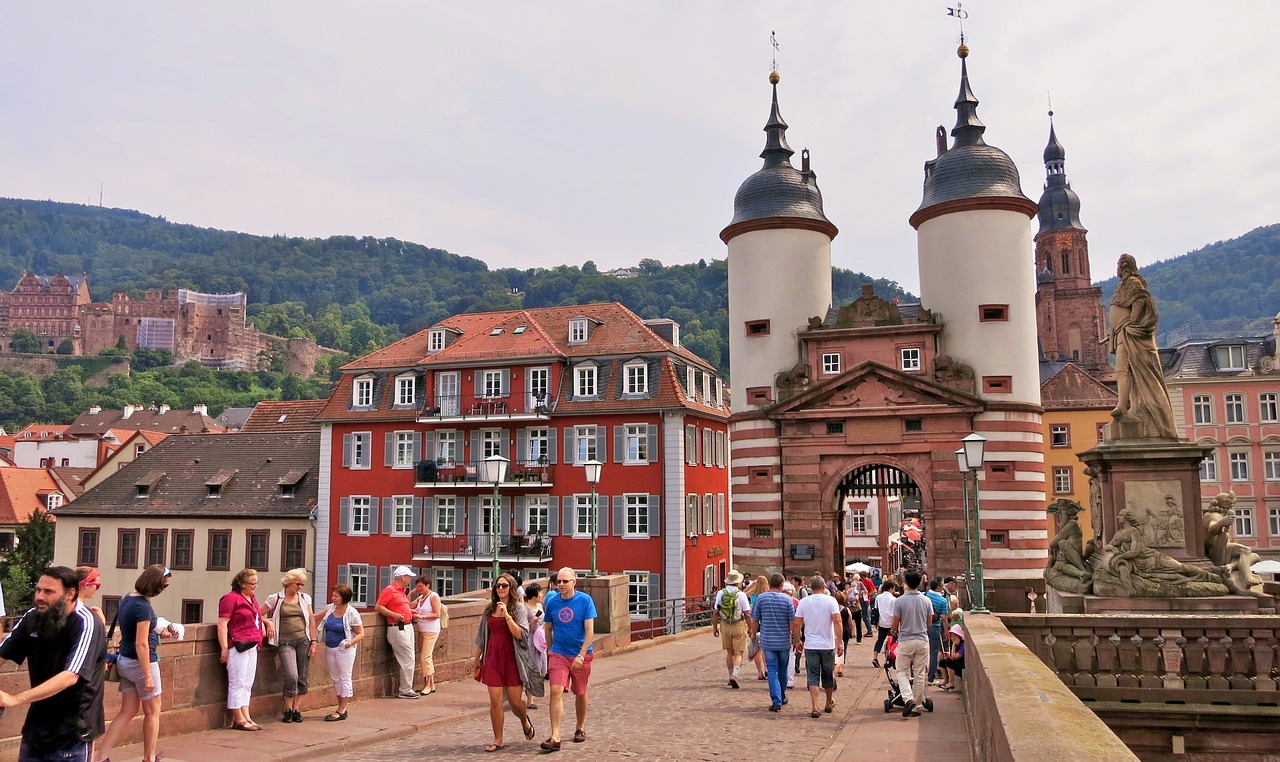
{"x": 778, "y": 191}
{"x": 1059, "y": 205}
{"x": 971, "y": 168}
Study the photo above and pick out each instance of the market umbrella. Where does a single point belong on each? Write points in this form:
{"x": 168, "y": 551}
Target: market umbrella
{"x": 1267, "y": 567}
{"x": 857, "y": 566}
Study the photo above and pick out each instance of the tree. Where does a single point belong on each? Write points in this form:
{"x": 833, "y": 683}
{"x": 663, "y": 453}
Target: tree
{"x": 120, "y": 343}
{"x": 32, "y": 553}
{"x": 25, "y": 341}
{"x": 65, "y": 347}
{"x": 146, "y": 358}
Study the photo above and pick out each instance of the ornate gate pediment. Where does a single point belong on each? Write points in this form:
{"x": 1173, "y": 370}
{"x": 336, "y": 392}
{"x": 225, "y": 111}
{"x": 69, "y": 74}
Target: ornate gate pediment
{"x": 874, "y": 389}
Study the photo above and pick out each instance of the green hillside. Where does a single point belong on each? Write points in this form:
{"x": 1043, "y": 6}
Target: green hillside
{"x": 352, "y": 293}
{"x": 1236, "y": 282}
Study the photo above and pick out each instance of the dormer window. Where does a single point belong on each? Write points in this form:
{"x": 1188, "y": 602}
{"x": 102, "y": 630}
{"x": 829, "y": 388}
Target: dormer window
{"x": 1230, "y": 357}
{"x": 146, "y": 484}
{"x": 213, "y": 490}
{"x": 54, "y": 501}
{"x": 435, "y": 340}
{"x": 585, "y": 380}
{"x": 289, "y": 482}
{"x": 406, "y": 389}
{"x": 213, "y": 487}
{"x": 578, "y": 331}
{"x": 688, "y": 381}
{"x": 362, "y": 392}
{"x": 636, "y": 374}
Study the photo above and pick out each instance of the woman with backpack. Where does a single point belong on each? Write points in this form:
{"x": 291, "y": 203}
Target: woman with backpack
{"x": 754, "y": 652}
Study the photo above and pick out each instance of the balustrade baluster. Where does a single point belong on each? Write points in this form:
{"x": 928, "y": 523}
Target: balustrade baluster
{"x": 1219, "y": 649}
{"x": 1264, "y": 660}
{"x": 1108, "y": 652}
{"x": 1241, "y": 677}
{"x": 1086, "y": 645}
{"x": 1129, "y": 667}
{"x": 1149, "y": 642}
{"x": 1171, "y": 644}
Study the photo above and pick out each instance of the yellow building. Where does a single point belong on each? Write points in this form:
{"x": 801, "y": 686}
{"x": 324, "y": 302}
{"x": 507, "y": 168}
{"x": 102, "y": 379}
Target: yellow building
{"x": 1076, "y": 405}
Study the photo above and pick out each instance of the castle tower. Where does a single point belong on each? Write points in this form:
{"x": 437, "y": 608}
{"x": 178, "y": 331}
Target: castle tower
{"x": 779, "y": 266}
{"x": 973, "y": 237}
{"x": 1068, "y": 306}
{"x": 779, "y": 276}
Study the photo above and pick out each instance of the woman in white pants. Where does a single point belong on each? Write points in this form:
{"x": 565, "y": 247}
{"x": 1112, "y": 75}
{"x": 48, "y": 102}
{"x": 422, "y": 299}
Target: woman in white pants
{"x": 339, "y": 627}
{"x": 240, "y": 631}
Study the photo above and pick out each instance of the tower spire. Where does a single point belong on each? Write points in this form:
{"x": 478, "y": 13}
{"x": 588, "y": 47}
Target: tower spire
{"x": 776, "y": 151}
{"x": 968, "y": 129}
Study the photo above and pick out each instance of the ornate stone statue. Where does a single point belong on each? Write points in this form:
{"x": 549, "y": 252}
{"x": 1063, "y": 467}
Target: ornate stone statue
{"x": 1131, "y": 569}
{"x": 1232, "y": 560}
{"x": 1143, "y": 397}
{"x": 1067, "y": 570}
{"x": 1095, "y": 505}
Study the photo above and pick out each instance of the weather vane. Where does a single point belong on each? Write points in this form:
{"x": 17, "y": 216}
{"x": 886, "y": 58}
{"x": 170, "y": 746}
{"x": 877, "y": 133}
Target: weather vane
{"x": 773, "y": 40}
{"x": 960, "y": 14}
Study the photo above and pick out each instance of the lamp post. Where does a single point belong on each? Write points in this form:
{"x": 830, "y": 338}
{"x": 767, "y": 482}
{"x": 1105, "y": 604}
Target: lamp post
{"x": 963, "y": 464}
{"x": 495, "y": 470}
{"x": 592, "y": 470}
{"x": 974, "y": 450}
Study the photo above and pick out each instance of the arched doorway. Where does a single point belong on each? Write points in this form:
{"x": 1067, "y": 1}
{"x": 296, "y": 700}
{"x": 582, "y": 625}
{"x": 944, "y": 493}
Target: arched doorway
{"x": 880, "y": 517}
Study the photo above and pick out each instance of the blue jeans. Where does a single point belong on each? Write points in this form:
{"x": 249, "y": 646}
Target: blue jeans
{"x": 935, "y": 647}
{"x": 75, "y": 753}
{"x": 775, "y": 664}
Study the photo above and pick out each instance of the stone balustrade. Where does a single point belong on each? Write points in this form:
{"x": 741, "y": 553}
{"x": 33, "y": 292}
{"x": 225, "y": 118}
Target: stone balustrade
{"x": 1176, "y": 659}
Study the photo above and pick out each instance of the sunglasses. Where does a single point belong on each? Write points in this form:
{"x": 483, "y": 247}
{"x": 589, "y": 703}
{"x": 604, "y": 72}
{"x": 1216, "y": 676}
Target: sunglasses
{"x": 501, "y": 586}
{"x": 563, "y": 581}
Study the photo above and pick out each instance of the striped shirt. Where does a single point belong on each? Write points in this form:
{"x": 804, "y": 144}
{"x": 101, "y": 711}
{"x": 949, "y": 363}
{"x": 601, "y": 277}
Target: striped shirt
{"x": 774, "y": 611}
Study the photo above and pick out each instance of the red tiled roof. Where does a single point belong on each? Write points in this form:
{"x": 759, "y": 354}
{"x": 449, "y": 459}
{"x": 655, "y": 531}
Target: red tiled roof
{"x": 1072, "y": 387}
{"x": 20, "y": 490}
{"x": 283, "y": 415}
{"x": 34, "y": 430}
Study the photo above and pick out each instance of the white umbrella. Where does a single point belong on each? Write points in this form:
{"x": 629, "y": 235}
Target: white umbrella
{"x": 857, "y": 566}
{"x": 1267, "y": 567}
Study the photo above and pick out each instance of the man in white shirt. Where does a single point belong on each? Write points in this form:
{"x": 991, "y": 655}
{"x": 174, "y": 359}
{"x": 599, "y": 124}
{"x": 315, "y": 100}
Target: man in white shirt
{"x": 730, "y": 613}
{"x": 884, "y": 616}
{"x": 819, "y": 614}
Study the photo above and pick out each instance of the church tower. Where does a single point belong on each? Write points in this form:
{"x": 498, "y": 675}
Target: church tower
{"x": 1068, "y": 305}
{"x": 973, "y": 237}
{"x": 779, "y": 266}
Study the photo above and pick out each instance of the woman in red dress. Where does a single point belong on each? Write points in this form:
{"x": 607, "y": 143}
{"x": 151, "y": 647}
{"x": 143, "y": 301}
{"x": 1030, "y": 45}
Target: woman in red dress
{"x": 504, "y": 628}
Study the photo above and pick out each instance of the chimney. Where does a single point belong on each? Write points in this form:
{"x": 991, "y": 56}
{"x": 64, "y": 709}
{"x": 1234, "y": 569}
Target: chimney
{"x": 200, "y": 409}
{"x": 95, "y": 409}
{"x": 184, "y": 430}
{"x": 128, "y": 411}
{"x": 940, "y": 137}
{"x": 163, "y": 409}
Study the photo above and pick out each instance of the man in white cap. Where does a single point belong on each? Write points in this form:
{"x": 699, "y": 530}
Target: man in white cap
{"x": 732, "y": 607}
{"x": 393, "y": 605}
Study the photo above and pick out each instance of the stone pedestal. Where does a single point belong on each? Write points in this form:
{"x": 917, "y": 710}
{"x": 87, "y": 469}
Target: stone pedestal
{"x": 1160, "y": 481}
{"x": 1075, "y": 603}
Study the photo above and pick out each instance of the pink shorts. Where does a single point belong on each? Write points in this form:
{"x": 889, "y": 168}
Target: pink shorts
{"x": 560, "y": 672}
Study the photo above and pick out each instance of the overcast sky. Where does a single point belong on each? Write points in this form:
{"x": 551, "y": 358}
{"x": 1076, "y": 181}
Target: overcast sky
{"x": 538, "y": 134}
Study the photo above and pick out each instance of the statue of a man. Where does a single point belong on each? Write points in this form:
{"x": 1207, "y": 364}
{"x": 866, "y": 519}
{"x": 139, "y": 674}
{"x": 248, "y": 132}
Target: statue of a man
{"x": 1139, "y": 376}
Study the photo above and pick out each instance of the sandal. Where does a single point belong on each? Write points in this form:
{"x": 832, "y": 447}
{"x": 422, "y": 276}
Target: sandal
{"x": 831, "y": 706}
{"x": 550, "y": 745}
{"x": 579, "y": 736}
{"x": 527, "y": 725}
{"x": 335, "y": 716}
{"x": 494, "y": 747}
{"x": 245, "y": 726}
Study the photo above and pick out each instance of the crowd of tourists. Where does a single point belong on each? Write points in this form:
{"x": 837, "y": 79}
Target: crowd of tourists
{"x": 778, "y": 624}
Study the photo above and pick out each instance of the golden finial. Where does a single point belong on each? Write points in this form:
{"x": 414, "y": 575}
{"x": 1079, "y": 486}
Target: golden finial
{"x": 963, "y": 51}
{"x": 773, "y": 78}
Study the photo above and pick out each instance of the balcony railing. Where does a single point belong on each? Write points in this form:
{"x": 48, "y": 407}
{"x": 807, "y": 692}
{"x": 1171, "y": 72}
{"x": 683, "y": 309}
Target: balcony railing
{"x": 465, "y": 407}
{"x": 512, "y": 548}
{"x": 461, "y": 473}
{"x": 664, "y": 616}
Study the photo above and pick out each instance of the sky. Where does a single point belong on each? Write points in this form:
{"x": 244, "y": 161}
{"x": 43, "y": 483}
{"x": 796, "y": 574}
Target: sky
{"x": 533, "y": 135}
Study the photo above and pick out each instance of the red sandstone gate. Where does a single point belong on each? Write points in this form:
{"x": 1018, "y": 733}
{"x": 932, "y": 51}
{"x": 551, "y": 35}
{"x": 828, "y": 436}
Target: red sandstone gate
{"x": 872, "y": 504}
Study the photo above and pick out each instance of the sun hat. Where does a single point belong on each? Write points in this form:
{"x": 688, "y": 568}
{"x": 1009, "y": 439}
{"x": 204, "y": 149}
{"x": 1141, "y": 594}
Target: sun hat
{"x": 957, "y": 630}
{"x": 402, "y": 571}
{"x": 734, "y": 577}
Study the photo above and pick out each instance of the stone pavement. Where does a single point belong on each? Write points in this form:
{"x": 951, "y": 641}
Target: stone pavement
{"x": 668, "y": 701}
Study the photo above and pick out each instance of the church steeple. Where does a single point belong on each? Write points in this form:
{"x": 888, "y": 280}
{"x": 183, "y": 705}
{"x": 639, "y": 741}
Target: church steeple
{"x": 776, "y": 151}
{"x": 1059, "y": 205}
{"x": 969, "y": 128}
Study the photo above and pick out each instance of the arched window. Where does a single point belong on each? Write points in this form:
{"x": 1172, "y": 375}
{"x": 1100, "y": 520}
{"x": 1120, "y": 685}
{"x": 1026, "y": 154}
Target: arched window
{"x": 1066, "y": 262}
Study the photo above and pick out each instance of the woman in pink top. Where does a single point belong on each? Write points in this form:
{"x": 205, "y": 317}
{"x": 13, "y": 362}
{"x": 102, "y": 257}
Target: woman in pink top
{"x": 240, "y": 631}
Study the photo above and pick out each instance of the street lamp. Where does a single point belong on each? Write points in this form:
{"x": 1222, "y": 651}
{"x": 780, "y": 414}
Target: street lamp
{"x": 592, "y": 470}
{"x": 974, "y": 450}
{"x": 495, "y": 470}
{"x": 963, "y": 464}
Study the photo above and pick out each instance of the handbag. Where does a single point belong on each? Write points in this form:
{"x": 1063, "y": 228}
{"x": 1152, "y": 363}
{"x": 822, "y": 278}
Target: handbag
{"x": 444, "y": 616}
{"x": 112, "y": 658}
{"x": 245, "y": 645}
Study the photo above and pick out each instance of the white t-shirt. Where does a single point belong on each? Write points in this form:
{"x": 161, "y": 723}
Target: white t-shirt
{"x": 884, "y": 603}
{"x": 819, "y": 631}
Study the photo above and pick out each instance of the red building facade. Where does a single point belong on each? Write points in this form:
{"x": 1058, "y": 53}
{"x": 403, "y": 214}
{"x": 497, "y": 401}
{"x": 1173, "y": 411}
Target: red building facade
{"x": 408, "y": 428}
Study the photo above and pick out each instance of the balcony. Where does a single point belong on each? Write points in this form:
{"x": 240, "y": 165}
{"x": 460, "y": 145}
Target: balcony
{"x": 464, "y": 408}
{"x": 512, "y": 548}
{"x": 460, "y": 473}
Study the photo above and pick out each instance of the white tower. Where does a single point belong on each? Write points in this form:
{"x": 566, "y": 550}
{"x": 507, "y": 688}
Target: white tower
{"x": 977, "y": 273}
{"x": 779, "y": 266}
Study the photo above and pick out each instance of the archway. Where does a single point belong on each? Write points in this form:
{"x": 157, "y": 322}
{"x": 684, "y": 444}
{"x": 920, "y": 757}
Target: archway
{"x": 876, "y": 505}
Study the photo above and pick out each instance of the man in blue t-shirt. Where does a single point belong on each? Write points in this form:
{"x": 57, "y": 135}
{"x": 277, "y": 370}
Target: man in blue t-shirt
{"x": 569, "y": 624}
{"x": 771, "y": 620}
{"x": 941, "y": 610}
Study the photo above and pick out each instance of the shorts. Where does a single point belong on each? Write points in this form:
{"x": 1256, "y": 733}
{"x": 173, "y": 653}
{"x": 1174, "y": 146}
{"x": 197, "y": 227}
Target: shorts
{"x": 733, "y": 635}
{"x": 560, "y": 672}
{"x": 133, "y": 679}
{"x": 820, "y": 666}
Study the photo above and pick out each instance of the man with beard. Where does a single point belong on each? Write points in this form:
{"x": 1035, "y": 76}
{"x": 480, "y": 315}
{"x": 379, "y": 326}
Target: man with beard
{"x": 64, "y": 645}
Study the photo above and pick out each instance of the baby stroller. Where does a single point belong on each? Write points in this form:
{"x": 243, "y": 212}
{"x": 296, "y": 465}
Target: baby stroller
{"x": 894, "y": 698}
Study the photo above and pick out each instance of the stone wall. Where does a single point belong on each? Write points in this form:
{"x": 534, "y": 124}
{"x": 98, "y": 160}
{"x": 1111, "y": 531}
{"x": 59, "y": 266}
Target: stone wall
{"x": 195, "y": 682}
{"x": 1017, "y": 709}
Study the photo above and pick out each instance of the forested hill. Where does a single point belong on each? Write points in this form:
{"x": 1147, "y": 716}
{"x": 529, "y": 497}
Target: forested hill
{"x": 353, "y": 293}
{"x": 1236, "y": 282}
